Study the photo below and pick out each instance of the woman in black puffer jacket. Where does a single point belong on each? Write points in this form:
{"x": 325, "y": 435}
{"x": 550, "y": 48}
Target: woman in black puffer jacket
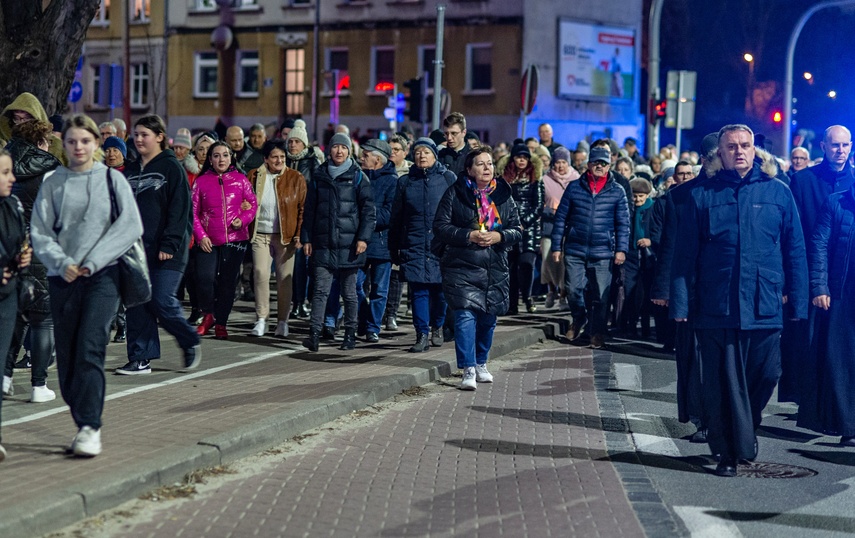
{"x": 302, "y": 158}
{"x": 475, "y": 226}
{"x": 29, "y": 149}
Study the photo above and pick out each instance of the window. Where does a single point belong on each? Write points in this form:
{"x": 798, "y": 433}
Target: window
{"x": 140, "y": 11}
{"x": 427, "y": 54}
{"x": 382, "y": 66}
{"x": 337, "y": 59}
{"x": 102, "y": 16}
{"x": 301, "y": 3}
{"x": 244, "y": 4}
{"x": 96, "y": 86}
{"x": 479, "y": 66}
{"x": 206, "y": 5}
{"x": 295, "y": 69}
{"x": 247, "y": 75}
{"x": 205, "y": 74}
{"x": 139, "y": 85}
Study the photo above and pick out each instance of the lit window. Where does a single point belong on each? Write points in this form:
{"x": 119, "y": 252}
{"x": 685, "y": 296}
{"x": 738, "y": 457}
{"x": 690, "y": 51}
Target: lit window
{"x": 140, "y": 11}
{"x": 139, "y": 85}
{"x": 295, "y": 70}
{"x": 205, "y": 74}
{"x": 382, "y": 66}
{"x": 479, "y": 66}
{"x": 247, "y": 83}
{"x": 337, "y": 60}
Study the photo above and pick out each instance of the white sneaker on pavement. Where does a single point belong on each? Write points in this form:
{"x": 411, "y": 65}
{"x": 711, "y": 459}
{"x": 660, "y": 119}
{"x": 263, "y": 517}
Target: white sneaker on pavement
{"x": 87, "y": 442}
{"x": 2, "y": 453}
{"x": 260, "y": 327}
{"x": 281, "y": 329}
{"x": 42, "y": 394}
{"x": 482, "y": 375}
{"x": 468, "y": 382}
{"x": 8, "y": 388}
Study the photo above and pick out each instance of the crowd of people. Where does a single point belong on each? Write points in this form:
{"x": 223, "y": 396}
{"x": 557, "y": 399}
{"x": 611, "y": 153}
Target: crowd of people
{"x": 709, "y": 252}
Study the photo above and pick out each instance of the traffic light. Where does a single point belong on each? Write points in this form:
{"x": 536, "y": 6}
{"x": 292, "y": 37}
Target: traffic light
{"x": 415, "y": 100}
{"x": 661, "y": 109}
{"x": 777, "y": 117}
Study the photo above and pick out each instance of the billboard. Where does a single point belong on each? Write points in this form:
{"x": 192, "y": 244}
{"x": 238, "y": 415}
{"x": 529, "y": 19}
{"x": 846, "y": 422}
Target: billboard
{"x": 595, "y": 62}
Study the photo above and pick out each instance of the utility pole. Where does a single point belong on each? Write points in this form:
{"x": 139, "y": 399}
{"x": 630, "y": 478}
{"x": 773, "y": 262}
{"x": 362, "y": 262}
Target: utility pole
{"x": 126, "y": 76}
{"x": 315, "y": 69}
{"x": 653, "y": 89}
{"x": 438, "y": 64}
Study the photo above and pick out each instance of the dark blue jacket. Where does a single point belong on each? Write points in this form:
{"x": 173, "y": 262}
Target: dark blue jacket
{"x": 832, "y": 246}
{"x": 411, "y": 234}
{"x": 811, "y": 188}
{"x": 741, "y": 250}
{"x": 338, "y": 213}
{"x": 383, "y": 184}
{"x": 590, "y": 226}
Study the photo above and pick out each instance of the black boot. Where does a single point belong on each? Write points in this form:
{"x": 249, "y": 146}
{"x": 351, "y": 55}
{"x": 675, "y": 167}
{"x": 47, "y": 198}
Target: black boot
{"x": 349, "y": 340}
{"x": 328, "y": 333}
{"x": 422, "y": 343}
{"x": 121, "y": 334}
{"x": 311, "y": 343}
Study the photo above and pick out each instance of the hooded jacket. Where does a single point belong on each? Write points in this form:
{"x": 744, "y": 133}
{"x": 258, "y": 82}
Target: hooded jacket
{"x": 306, "y": 163}
{"x": 217, "y": 200}
{"x": 290, "y": 188}
{"x": 411, "y": 235}
{"x": 339, "y": 213}
{"x": 740, "y": 251}
{"x": 163, "y": 197}
{"x": 832, "y": 246}
{"x": 29, "y": 103}
{"x": 474, "y": 277}
{"x": 384, "y": 182}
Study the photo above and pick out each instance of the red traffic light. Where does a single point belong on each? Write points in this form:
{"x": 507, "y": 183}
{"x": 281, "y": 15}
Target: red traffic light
{"x": 660, "y": 109}
{"x": 384, "y": 87}
{"x": 777, "y": 117}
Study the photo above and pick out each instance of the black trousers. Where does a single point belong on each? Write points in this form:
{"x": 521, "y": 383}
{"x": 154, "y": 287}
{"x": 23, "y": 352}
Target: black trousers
{"x": 8, "y": 314}
{"x": 740, "y": 371}
{"x": 521, "y": 266}
{"x": 690, "y": 404}
{"x": 217, "y": 274}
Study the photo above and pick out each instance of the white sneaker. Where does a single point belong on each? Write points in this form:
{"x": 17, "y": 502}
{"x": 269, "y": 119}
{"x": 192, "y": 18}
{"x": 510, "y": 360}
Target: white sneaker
{"x": 260, "y": 327}
{"x": 2, "y": 453}
{"x": 87, "y": 442}
{"x": 8, "y": 388}
{"x": 42, "y": 394}
{"x": 281, "y": 329}
{"x": 482, "y": 375}
{"x": 468, "y": 382}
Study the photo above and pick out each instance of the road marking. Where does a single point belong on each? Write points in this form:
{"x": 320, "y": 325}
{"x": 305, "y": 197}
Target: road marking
{"x": 703, "y": 525}
{"x": 655, "y": 444}
{"x": 627, "y": 377}
{"x": 143, "y": 388}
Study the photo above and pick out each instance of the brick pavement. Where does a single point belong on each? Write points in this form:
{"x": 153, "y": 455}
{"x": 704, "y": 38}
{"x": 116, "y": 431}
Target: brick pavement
{"x": 525, "y": 456}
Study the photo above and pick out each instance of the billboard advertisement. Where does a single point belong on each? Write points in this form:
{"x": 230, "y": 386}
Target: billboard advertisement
{"x": 595, "y": 62}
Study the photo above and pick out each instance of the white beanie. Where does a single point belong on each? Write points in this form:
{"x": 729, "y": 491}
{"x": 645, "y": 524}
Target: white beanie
{"x": 299, "y": 132}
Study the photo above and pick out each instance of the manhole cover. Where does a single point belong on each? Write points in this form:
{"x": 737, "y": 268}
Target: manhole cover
{"x": 773, "y": 470}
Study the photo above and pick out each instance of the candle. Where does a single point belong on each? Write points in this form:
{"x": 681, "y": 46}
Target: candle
{"x": 483, "y": 228}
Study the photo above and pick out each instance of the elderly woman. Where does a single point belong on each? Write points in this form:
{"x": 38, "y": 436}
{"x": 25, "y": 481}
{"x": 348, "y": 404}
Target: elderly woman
{"x": 476, "y": 224}
{"x": 554, "y": 183}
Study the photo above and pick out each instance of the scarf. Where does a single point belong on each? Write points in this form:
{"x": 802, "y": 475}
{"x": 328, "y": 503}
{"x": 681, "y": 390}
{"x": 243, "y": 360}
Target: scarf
{"x": 638, "y": 225}
{"x": 488, "y": 213}
{"x": 596, "y": 183}
{"x": 554, "y": 185}
{"x": 336, "y": 171}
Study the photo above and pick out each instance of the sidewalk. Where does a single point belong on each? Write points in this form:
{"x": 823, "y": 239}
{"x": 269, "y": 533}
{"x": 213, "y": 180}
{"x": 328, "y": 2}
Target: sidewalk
{"x": 249, "y": 394}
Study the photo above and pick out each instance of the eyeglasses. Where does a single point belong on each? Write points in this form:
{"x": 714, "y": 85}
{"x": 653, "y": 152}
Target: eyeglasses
{"x": 600, "y": 164}
{"x": 453, "y": 133}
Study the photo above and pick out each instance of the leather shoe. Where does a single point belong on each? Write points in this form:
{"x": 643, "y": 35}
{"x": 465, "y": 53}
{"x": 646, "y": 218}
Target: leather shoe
{"x": 699, "y": 436}
{"x": 726, "y": 467}
{"x": 847, "y": 441}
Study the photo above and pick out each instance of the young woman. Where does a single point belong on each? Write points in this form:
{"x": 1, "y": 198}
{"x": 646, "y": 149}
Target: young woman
{"x": 163, "y": 197}
{"x": 75, "y": 237}
{"x": 221, "y": 229}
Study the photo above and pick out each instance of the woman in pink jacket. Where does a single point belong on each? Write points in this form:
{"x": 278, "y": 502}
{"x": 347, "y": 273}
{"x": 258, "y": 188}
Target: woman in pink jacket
{"x": 221, "y": 229}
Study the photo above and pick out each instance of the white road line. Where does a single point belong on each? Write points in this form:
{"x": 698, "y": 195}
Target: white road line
{"x": 655, "y": 444}
{"x": 627, "y": 377}
{"x": 703, "y": 525}
{"x": 143, "y": 388}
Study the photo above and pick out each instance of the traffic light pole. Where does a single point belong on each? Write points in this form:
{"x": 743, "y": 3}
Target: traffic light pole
{"x": 653, "y": 90}
{"x": 438, "y": 64}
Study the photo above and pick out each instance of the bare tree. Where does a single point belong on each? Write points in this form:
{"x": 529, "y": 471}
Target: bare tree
{"x": 40, "y": 44}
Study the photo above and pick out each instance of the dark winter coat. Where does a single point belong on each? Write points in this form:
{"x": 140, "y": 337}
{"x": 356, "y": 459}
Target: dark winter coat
{"x": 384, "y": 183}
{"x": 832, "y": 246}
{"x": 741, "y": 250}
{"x": 453, "y": 160}
{"x": 163, "y": 197}
{"x": 306, "y": 165}
{"x": 590, "y": 226}
{"x": 416, "y": 199}
{"x": 338, "y": 213}
{"x": 12, "y": 234}
{"x": 248, "y": 159}
{"x": 811, "y": 188}
{"x": 473, "y": 277}
{"x": 529, "y": 199}
{"x": 651, "y": 221}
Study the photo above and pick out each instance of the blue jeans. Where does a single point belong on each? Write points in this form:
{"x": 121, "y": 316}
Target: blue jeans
{"x": 473, "y": 337}
{"x": 581, "y": 274}
{"x": 428, "y": 307}
{"x": 372, "y": 312}
{"x": 143, "y": 340}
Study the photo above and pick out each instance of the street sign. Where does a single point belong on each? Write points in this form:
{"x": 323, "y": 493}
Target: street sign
{"x": 680, "y": 94}
{"x": 76, "y": 92}
{"x": 390, "y": 113}
{"x": 528, "y": 89}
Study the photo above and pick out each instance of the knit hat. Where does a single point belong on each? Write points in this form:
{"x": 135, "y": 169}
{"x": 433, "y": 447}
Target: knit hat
{"x": 709, "y": 144}
{"x": 427, "y": 142}
{"x": 182, "y": 140}
{"x": 289, "y": 124}
{"x": 340, "y": 139}
{"x": 561, "y": 154}
{"x": 298, "y": 131}
{"x": 437, "y": 136}
{"x": 666, "y": 173}
{"x": 378, "y": 146}
{"x": 118, "y": 143}
{"x": 520, "y": 149}
{"x": 601, "y": 154}
{"x": 641, "y": 185}
{"x": 57, "y": 122}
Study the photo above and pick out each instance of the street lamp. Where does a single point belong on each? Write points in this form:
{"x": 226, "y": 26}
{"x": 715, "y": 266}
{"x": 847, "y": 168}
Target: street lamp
{"x": 808, "y": 76}
{"x": 749, "y": 102}
{"x": 748, "y": 57}
{"x": 832, "y": 94}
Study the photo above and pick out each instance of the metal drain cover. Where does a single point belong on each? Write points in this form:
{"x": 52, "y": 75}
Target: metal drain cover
{"x": 773, "y": 470}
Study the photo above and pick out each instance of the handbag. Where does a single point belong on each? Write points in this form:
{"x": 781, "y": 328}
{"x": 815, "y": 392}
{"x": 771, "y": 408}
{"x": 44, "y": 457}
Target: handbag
{"x": 134, "y": 280}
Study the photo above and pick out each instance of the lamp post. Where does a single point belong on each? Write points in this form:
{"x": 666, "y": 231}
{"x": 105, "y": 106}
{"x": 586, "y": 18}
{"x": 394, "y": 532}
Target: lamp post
{"x": 653, "y": 90}
{"x": 749, "y": 101}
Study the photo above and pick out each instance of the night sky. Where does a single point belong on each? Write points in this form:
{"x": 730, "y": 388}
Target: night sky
{"x": 711, "y": 36}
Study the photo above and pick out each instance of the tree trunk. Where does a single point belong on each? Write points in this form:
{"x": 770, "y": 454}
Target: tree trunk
{"x": 39, "y": 49}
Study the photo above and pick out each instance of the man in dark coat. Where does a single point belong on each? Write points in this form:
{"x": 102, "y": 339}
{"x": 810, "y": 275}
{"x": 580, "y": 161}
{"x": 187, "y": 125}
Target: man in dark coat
{"x": 337, "y": 226}
{"x": 592, "y": 228}
{"x": 742, "y": 259}
{"x": 811, "y": 188}
{"x": 453, "y": 155}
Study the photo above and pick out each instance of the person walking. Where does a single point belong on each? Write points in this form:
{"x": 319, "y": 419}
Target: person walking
{"x": 76, "y": 238}
{"x": 281, "y": 195}
{"x": 410, "y": 236}
{"x": 162, "y": 193}
{"x": 300, "y": 157}
{"x": 221, "y": 229}
{"x": 554, "y": 184}
{"x": 476, "y": 224}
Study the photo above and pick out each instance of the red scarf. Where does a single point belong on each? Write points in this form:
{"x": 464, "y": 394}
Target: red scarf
{"x": 596, "y": 183}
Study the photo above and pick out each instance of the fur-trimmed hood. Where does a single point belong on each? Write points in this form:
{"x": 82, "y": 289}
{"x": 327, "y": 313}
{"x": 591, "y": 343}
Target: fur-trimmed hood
{"x": 768, "y": 164}
{"x": 535, "y": 161}
{"x": 190, "y": 164}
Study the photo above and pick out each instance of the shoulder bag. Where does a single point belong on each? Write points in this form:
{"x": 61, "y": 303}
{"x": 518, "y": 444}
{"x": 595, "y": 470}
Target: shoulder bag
{"x": 134, "y": 281}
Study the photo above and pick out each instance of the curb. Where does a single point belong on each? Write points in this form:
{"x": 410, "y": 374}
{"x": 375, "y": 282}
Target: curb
{"x": 89, "y": 498}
